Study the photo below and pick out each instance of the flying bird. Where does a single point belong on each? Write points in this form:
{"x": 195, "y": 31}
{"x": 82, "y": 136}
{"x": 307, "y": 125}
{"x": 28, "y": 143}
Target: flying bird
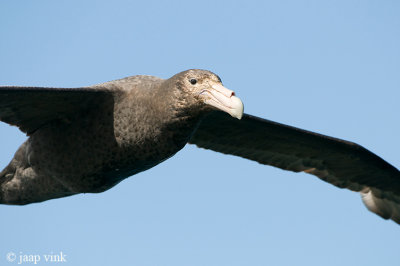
{"x": 86, "y": 140}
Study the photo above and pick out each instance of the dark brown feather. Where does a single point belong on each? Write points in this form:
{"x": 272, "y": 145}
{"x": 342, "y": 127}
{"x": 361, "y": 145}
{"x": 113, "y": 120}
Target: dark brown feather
{"x": 29, "y": 108}
{"x": 339, "y": 162}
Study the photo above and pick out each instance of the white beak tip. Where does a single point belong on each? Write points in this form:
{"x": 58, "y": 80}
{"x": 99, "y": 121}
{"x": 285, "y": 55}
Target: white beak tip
{"x": 225, "y": 100}
{"x": 237, "y": 108}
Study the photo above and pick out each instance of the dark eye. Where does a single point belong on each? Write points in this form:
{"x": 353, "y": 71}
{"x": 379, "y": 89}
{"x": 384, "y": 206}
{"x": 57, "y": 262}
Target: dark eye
{"x": 193, "y": 81}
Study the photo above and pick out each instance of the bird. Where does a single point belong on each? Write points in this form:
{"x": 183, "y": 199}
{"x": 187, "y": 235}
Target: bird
{"x": 88, "y": 139}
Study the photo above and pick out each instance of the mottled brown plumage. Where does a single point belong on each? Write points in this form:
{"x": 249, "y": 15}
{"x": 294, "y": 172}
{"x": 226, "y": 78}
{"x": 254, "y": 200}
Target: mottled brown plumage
{"x": 89, "y": 139}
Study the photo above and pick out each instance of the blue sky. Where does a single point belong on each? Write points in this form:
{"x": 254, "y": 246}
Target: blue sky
{"x": 327, "y": 66}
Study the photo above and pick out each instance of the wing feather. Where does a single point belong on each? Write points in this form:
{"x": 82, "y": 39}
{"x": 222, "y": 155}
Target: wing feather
{"x": 342, "y": 163}
{"x": 30, "y": 108}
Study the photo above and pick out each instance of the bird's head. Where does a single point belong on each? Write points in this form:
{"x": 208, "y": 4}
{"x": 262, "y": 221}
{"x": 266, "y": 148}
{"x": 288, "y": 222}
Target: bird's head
{"x": 205, "y": 90}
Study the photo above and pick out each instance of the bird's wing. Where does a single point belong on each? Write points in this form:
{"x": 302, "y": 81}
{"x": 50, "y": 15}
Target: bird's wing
{"x": 339, "y": 162}
{"x": 30, "y": 108}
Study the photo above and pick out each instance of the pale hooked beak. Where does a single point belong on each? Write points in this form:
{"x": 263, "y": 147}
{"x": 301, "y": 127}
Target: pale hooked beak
{"x": 224, "y": 99}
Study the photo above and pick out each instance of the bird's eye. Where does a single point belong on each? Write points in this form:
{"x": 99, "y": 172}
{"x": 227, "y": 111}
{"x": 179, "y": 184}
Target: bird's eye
{"x": 193, "y": 81}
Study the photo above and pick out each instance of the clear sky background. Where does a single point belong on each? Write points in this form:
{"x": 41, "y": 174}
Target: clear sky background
{"x": 328, "y": 66}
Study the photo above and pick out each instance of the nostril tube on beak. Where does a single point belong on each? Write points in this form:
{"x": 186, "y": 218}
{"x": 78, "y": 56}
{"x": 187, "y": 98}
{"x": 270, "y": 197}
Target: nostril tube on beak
{"x": 223, "y": 90}
{"x": 224, "y": 100}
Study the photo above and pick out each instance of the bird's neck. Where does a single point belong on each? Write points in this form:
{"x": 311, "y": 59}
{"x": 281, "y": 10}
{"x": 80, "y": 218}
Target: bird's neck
{"x": 153, "y": 122}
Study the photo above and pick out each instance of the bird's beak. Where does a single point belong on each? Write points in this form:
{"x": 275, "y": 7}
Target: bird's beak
{"x": 224, "y": 100}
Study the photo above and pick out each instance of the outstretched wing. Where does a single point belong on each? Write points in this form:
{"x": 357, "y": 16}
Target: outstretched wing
{"x": 339, "y": 162}
{"x": 30, "y": 108}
